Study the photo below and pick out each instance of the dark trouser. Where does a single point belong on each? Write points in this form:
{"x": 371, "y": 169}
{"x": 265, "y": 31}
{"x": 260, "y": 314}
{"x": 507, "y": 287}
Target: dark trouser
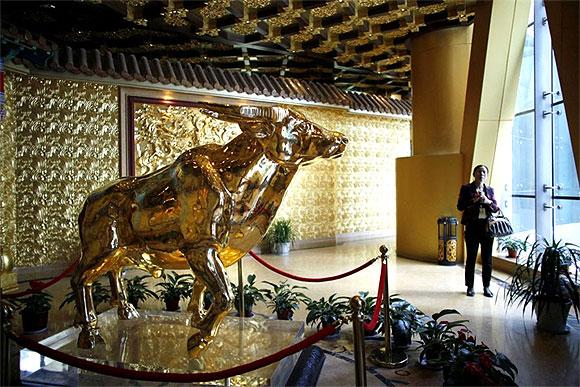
{"x": 476, "y": 234}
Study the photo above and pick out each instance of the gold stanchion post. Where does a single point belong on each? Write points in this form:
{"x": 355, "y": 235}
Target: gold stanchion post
{"x": 387, "y": 357}
{"x": 241, "y": 289}
{"x": 359, "y": 343}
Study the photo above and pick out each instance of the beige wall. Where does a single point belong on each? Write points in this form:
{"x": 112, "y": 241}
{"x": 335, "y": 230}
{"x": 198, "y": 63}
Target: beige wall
{"x": 439, "y": 79}
{"x": 429, "y": 181}
{"x": 427, "y": 188}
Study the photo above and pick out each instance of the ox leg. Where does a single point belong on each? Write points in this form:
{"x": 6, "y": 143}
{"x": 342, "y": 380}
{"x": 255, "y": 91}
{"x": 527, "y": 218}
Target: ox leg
{"x": 207, "y": 266}
{"x": 125, "y": 310}
{"x": 86, "y": 317}
{"x": 195, "y": 305}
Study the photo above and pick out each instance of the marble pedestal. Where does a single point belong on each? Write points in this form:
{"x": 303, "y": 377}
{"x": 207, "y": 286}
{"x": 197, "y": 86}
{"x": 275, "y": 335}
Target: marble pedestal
{"x": 157, "y": 342}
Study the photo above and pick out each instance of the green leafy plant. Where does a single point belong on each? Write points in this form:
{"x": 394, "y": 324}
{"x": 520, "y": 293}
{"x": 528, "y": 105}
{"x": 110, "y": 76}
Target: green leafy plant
{"x": 438, "y": 339}
{"x": 101, "y": 295}
{"x": 284, "y": 298}
{"x": 402, "y": 310}
{"x": 173, "y": 288}
{"x": 512, "y": 245}
{"x": 34, "y": 311}
{"x": 137, "y": 291}
{"x": 35, "y": 303}
{"x": 405, "y": 320}
{"x": 326, "y": 312}
{"x": 281, "y": 231}
{"x": 549, "y": 275}
{"x": 251, "y": 295}
{"x": 476, "y": 365}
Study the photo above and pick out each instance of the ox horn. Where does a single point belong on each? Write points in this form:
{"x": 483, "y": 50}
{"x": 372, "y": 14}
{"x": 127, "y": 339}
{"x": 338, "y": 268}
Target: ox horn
{"x": 274, "y": 113}
{"x": 238, "y": 114}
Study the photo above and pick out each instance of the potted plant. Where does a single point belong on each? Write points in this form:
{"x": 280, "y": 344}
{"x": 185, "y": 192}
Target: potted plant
{"x": 137, "y": 290}
{"x": 404, "y": 320}
{"x": 284, "y": 299}
{"x": 437, "y": 339}
{"x": 513, "y": 246}
{"x": 548, "y": 282}
{"x": 476, "y": 365}
{"x": 34, "y": 312}
{"x": 174, "y": 288}
{"x": 101, "y": 295}
{"x": 251, "y": 296}
{"x": 280, "y": 235}
{"x": 327, "y": 312}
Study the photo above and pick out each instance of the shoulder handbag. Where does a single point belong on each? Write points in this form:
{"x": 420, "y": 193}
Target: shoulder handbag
{"x": 498, "y": 225}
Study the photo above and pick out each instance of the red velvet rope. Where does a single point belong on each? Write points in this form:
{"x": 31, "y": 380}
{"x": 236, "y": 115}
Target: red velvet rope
{"x": 306, "y": 279}
{"x": 170, "y": 376}
{"x": 369, "y": 326}
{"x": 37, "y": 286}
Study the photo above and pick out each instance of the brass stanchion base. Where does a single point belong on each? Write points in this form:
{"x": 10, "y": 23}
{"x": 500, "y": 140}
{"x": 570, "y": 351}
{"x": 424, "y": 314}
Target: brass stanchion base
{"x": 394, "y": 359}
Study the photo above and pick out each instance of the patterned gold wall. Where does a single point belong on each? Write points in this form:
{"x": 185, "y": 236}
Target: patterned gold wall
{"x": 353, "y": 194}
{"x": 59, "y": 142}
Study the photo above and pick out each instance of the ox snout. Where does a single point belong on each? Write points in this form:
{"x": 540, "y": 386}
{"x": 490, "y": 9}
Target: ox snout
{"x": 337, "y": 146}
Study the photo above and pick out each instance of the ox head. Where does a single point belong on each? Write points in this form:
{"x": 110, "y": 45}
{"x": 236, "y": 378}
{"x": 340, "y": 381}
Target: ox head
{"x": 287, "y": 136}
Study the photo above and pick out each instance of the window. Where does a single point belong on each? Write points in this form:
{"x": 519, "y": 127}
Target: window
{"x": 545, "y": 195}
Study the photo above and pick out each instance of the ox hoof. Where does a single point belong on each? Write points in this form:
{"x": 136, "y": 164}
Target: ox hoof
{"x": 197, "y": 343}
{"x": 127, "y": 312}
{"x": 156, "y": 272}
{"x": 89, "y": 339}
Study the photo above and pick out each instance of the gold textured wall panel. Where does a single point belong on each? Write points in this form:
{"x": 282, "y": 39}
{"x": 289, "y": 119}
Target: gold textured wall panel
{"x": 164, "y": 132}
{"x": 59, "y": 142}
{"x": 360, "y": 193}
{"x": 350, "y": 195}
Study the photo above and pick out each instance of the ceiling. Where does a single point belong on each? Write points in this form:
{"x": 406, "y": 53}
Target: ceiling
{"x": 357, "y": 45}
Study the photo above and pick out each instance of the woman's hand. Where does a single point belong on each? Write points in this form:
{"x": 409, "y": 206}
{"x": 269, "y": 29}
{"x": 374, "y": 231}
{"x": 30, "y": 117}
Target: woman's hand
{"x": 483, "y": 199}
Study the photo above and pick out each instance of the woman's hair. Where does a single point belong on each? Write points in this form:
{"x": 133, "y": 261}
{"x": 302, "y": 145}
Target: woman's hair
{"x": 480, "y": 166}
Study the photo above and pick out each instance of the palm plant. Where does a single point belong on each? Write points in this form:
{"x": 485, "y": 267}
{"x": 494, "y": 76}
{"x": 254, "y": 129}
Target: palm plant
{"x": 174, "y": 288}
{"x": 284, "y": 298}
{"x": 548, "y": 282}
{"x": 279, "y": 236}
{"x": 137, "y": 290}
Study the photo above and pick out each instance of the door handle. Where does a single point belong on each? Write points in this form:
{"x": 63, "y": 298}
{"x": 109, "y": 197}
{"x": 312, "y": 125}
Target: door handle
{"x": 550, "y": 207}
{"x": 553, "y": 187}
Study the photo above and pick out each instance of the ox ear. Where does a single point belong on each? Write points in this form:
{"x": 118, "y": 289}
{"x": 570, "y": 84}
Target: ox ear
{"x": 258, "y": 120}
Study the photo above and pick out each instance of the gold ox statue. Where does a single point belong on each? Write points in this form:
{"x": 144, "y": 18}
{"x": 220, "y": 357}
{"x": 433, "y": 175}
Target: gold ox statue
{"x": 203, "y": 212}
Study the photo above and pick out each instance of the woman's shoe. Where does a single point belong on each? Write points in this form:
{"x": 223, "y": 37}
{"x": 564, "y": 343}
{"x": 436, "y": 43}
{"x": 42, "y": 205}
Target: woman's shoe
{"x": 470, "y": 292}
{"x": 487, "y": 292}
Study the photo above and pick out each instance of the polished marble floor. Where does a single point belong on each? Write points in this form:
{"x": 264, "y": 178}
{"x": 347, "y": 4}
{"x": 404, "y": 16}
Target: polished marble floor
{"x": 542, "y": 359}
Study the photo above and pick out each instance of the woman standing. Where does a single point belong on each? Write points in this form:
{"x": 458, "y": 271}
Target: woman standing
{"x": 477, "y": 201}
